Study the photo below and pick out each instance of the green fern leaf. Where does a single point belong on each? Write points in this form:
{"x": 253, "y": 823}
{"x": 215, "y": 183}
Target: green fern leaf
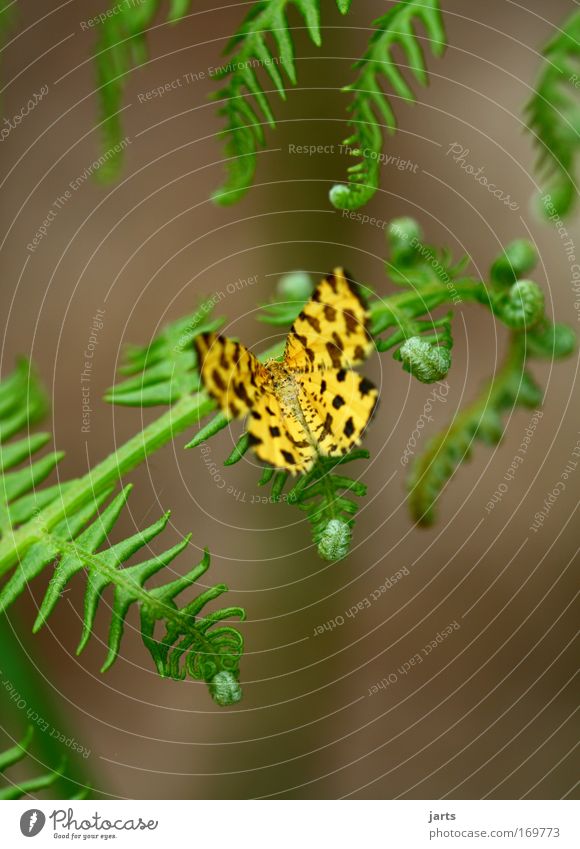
{"x": 415, "y": 263}
{"x": 178, "y": 10}
{"x": 422, "y": 345}
{"x": 165, "y": 371}
{"x": 240, "y": 448}
{"x": 30, "y": 785}
{"x": 122, "y": 45}
{"x": 34, "y": 514}
{"x": 57, "y": 525}
{"x": 43, "y": 553}
{"x": 324, "y": 495}
{"x": 22, "y": 496}
{"x": 370, "y": 108}
{"x": 553, "y": 115}
{"x": 205, "y": 650}
{"x": 22, "y": 400}
{"x": 244, "y": 103}
{"x": 513, "y": 386}
{"x": 22, "y": 404}
{"x": 11, "y": 756}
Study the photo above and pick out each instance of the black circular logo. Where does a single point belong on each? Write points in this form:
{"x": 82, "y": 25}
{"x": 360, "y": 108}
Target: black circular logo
{"x": 32, "y": 822}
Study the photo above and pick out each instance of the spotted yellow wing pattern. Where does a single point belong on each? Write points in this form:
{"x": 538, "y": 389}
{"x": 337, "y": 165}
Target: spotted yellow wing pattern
{"x": 279, "y": 437}
{"x": 332, "y": 329}
{"x": 241, "y": 384}
{"x": 337, "y": 406}
{"x": 232, "y": 375}
{"x": 311, "y": 403}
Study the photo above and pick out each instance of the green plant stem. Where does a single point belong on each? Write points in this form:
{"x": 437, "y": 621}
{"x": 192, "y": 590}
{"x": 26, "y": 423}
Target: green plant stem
{"x": 469, "y": 420}
{"x": 396, "y": 310}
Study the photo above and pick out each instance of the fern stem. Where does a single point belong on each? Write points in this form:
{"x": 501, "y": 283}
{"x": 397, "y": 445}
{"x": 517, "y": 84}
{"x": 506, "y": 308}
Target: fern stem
{"x": 398, "y": 309}
{"x": 471, "y": 421}
{"x": 329, "y": 500}
{"x": 183, "y": 414}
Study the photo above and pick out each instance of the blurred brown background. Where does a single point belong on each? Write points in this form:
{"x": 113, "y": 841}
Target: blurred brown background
{"x": 489, "y": 712}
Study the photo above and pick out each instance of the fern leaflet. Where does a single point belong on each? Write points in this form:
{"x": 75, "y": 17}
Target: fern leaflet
{"x": 244, "y": 103}
{"x": 323, "y": 494}
{"x": 553, "y": 115}
{"x": 370, "y": 108}
{"x": 513, "y": 386}
{"x": 19, "y": 752}
{"x": 22, "y": 404}
{"x": 162, "y": 373}
{"x": 121, "y": 46}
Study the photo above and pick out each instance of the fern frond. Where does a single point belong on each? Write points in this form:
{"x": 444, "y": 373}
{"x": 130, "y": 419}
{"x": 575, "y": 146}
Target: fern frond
{"x": 121, "y": 46}
{"x": 18, "y": 753}
{"x": 192, "y": 642}
{"x": 553, "y": 115}
{"x": 22, "y": 400}
{"x": 244, "y": 103}
{"x": 423, "y": 345}
{"x": 415, "y": 263}
{"x": 513, "y": 386}
{"x": 61, "y": 504}
{"x": 165, "y": 371}
{"x": 519, "y": 303}
{"x": 323, "y": 495}
{"x": 370, "y": 108}
{"x": 22, "y": 404}
{"x": 57, "y": 526}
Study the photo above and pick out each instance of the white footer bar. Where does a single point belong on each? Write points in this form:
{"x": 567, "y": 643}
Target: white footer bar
{"x": 287, "y": 824}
